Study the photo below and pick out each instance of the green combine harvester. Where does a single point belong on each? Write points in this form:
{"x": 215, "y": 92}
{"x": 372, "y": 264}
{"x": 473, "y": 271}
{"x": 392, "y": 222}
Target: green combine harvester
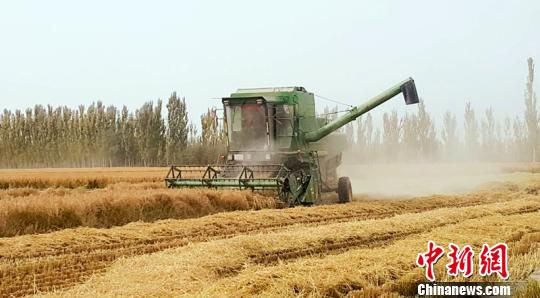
{"x": 277, "y": 142}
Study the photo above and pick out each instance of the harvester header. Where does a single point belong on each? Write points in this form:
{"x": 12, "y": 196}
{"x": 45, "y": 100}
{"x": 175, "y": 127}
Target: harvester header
{"x": 276, "y": 141}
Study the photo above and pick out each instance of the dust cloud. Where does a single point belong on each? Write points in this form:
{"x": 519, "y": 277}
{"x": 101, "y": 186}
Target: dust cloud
{"x": 410, "y": 179}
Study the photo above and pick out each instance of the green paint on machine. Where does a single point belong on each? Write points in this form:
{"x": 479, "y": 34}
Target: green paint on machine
{"x": 276, "y": 141}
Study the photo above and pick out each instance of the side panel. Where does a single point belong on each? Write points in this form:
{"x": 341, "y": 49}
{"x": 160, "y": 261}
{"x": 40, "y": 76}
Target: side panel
{"x": 329, "y": 150}
{"x": 306, "y": 112}
{"x": 312, "y": 193}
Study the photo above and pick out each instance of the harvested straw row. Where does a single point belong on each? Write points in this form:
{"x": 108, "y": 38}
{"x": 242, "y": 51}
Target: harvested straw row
{"x": 17, "y": 192}
{"x": 112, "y": 207}
{"x": 190, "y": 269}
{"x": 92, "y": 250}
{"x": 76, "y": 261}
{"x": 44, "y": 194}
{"x": 56, "y": 210}
{"x": 373, "y": 272}
{"x": 73, "y": 178}
{"x": 48, "y": 255}
{"x": 222, "y": 225}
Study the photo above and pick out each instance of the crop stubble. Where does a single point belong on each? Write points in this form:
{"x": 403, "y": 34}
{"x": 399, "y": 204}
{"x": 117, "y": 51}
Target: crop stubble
{"x": 190, "y": 269}
{"x": 41, "y": 263}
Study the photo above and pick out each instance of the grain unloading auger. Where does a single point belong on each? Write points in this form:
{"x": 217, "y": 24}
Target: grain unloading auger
{"x": 277, "y": 142}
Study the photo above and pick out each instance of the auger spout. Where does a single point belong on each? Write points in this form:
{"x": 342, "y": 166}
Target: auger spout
{"x": 407, "y": 87}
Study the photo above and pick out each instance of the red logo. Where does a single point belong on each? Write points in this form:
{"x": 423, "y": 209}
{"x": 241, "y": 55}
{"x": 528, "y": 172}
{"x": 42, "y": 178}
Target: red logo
{"x": 430, "y": 258}
{"x": 460, "y": 260}
{"x": 493, "y": 259}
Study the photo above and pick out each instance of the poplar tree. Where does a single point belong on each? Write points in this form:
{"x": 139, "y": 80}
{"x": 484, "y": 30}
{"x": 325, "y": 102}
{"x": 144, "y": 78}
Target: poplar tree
{"x": 449, "y": 135}
{"x": 471, "y": 131}
{"x": 177, "y": 128}
{"x": 391, "y": 133}
{"x": 531, "y": 113}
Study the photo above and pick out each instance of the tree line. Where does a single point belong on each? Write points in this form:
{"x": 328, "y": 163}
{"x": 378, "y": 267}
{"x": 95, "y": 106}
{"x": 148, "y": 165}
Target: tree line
{"x": 481, "y": 137}
{"x": 104, "y": 136}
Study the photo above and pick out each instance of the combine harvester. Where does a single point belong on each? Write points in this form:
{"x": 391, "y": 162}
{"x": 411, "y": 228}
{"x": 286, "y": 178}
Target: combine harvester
{"x": 276, "y": 142}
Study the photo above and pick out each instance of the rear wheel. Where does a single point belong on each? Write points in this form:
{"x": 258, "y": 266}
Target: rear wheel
{"x": 344, "y": 190}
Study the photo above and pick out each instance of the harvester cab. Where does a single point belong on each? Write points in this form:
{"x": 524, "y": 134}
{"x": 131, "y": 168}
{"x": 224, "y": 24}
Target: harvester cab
{"x": 277, "y": 142}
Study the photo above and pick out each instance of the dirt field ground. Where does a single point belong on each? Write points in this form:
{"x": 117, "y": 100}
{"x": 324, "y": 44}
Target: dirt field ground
{"x": 223, "y": 247}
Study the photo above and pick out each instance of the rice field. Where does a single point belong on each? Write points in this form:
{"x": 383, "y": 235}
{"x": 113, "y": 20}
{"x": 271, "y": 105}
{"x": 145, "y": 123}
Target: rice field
{"x": 132, "y": 237}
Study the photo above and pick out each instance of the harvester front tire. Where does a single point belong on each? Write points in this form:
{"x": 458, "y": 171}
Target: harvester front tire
{"x": 344, "y": 190}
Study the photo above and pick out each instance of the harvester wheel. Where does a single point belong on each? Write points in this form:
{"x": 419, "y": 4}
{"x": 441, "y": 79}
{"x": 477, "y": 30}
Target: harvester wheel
{"x": 344, "y": 190}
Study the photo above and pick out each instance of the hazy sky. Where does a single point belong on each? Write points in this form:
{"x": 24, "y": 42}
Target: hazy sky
{"x": 129, "y": 52}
